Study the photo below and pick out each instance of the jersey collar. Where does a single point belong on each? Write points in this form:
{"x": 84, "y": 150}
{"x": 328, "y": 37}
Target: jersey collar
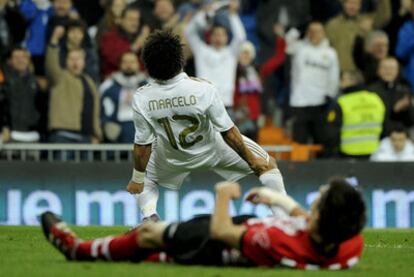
{"x": 173, "y": 80}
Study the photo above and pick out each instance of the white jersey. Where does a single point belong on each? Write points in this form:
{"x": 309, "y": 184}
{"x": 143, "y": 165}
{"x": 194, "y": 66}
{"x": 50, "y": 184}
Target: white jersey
{"x": 183, "y": 117}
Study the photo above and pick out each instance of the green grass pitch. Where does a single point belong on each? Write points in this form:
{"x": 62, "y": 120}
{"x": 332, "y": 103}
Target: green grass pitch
{"x": 24, "y": 252}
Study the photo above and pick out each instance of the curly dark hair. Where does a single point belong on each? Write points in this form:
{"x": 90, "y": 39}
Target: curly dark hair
{"x": 163, "y": 55}
{"x": 341, "y": 212}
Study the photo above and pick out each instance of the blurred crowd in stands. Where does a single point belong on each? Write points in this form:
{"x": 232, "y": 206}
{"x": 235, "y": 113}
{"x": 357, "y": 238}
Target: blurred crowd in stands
{"x": 339, "y": 73}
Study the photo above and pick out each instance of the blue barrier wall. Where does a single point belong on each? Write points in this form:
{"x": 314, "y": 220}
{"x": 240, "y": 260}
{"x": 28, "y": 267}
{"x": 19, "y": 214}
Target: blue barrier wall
{"x": 93, "y": 193}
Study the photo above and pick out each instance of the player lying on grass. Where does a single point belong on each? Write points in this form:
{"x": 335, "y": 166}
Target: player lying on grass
{"x": 181, "y": 125}
{"x": 328, "y": 237}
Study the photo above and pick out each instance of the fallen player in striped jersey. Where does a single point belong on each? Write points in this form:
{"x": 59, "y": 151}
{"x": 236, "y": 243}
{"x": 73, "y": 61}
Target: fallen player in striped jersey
{"x": 329, "y": 237}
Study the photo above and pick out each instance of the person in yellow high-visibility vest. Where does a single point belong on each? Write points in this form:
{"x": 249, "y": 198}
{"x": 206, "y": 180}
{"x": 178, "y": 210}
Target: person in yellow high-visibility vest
{"x": 356, "y": 121}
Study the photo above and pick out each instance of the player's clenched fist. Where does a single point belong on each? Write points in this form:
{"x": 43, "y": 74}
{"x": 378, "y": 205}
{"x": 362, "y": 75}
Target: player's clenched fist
{"x": 135, "y": 188}
{"x": 268, "y": 196}
{"x": 261, "y": 195}
{"x": 230, "y": 189}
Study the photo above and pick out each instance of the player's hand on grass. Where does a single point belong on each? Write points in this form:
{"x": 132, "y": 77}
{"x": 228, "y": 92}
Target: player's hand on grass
{"x": 135, "y": 188}
{"x": 230, "y": 189}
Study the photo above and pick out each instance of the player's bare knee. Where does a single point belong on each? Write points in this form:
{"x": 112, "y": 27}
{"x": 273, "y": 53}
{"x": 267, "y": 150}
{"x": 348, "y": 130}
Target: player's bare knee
{"x": 151, "y": 234}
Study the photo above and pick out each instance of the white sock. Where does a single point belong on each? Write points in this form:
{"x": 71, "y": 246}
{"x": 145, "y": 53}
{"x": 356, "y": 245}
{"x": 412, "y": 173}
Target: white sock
{"x": 273, "y": 179}
{"x": 147, "y": 200}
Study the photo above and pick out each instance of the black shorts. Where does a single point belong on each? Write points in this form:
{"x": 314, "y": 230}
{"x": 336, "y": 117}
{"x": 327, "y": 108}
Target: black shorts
{"x": 190, "y": 243}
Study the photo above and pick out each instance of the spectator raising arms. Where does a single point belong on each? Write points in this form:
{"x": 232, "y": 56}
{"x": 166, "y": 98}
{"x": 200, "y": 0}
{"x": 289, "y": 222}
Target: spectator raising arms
{"x": 314, "y": 80}
{"x": 62, "y": 12}
{"x": 74, "y": 115}
{"x": 405, "y": 47}
{"x": 395, "y": 148}
{"x": 19, "y": 91}
{"x": 117, "y": 94}
{"x": 123, "y": 38}
{"x": 77, "y": 38}
{"x": 343, "y": 29}
{"x": 36, "y": 13}
{"x": 217, "y": 62}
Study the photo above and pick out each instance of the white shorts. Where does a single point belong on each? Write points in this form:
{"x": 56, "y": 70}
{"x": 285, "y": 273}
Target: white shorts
{"x": 227, "y": 163}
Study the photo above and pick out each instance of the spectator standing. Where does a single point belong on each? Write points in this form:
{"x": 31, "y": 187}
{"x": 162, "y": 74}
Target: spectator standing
{"x": 12, "y": 27}
{"x": 368, "y": 54}
{"x": 314, "y": 80}
{"x": 248, "y": 92}
{"x": 36, "y": 13}
{"x": 117, "y": 94}
{"x": 74, "y": 115}
{"x": 344, "y": 28}
{"x": 19, "y": 89}
{"x": 128, "y": 36}
{"x": 395, "y": 93}
{"x": 217, "y": 62}
{"x": 164, "y": 14}
{"x": 76, "y": 38}
{"x": 167, "y": 18}
{"x": 395, "y": 148}
{"x": 287, "y": 14}
{"x": 91, "y": 10}
{"x": 401, "y": 12}
{"x": 271, "y": 67}
{"x": 405, "y": 47}
{"x": 62, "y": 12}
{"x": 145, "y": 6}
{"x": 111, "y": 18}
{"x": 356, "y": 121}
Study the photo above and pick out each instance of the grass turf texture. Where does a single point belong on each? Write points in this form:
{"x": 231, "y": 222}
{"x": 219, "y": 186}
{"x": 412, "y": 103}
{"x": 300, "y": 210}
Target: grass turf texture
{"x": 24, "y": 252}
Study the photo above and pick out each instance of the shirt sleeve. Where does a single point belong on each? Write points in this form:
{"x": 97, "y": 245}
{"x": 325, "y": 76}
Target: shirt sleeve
{"x": 144, "y": 133}
{"x": 239, "y": 33}
{"x": 191, "y": 32}
{"x": 218, "y": 114}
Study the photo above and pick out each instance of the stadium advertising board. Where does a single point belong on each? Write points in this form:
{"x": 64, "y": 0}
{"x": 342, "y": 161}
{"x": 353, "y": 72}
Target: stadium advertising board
{"x": 93, "y": 193}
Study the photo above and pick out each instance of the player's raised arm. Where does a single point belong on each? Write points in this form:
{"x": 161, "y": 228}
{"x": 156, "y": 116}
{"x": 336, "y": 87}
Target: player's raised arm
{"x": 222, "y": 227}
{"x": 267, "y": 196}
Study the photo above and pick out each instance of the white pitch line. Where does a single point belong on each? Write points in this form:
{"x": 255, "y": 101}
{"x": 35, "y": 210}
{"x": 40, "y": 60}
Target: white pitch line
{"x": 398, "y": 246}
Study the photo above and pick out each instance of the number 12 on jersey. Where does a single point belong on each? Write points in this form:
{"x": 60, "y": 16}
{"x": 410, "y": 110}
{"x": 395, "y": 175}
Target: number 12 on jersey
{"x": 182, "y": 137}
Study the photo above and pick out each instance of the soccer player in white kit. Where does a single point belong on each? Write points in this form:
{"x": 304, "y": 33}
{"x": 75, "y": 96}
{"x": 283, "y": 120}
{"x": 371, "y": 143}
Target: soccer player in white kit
{"x": 181, "y": 125}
